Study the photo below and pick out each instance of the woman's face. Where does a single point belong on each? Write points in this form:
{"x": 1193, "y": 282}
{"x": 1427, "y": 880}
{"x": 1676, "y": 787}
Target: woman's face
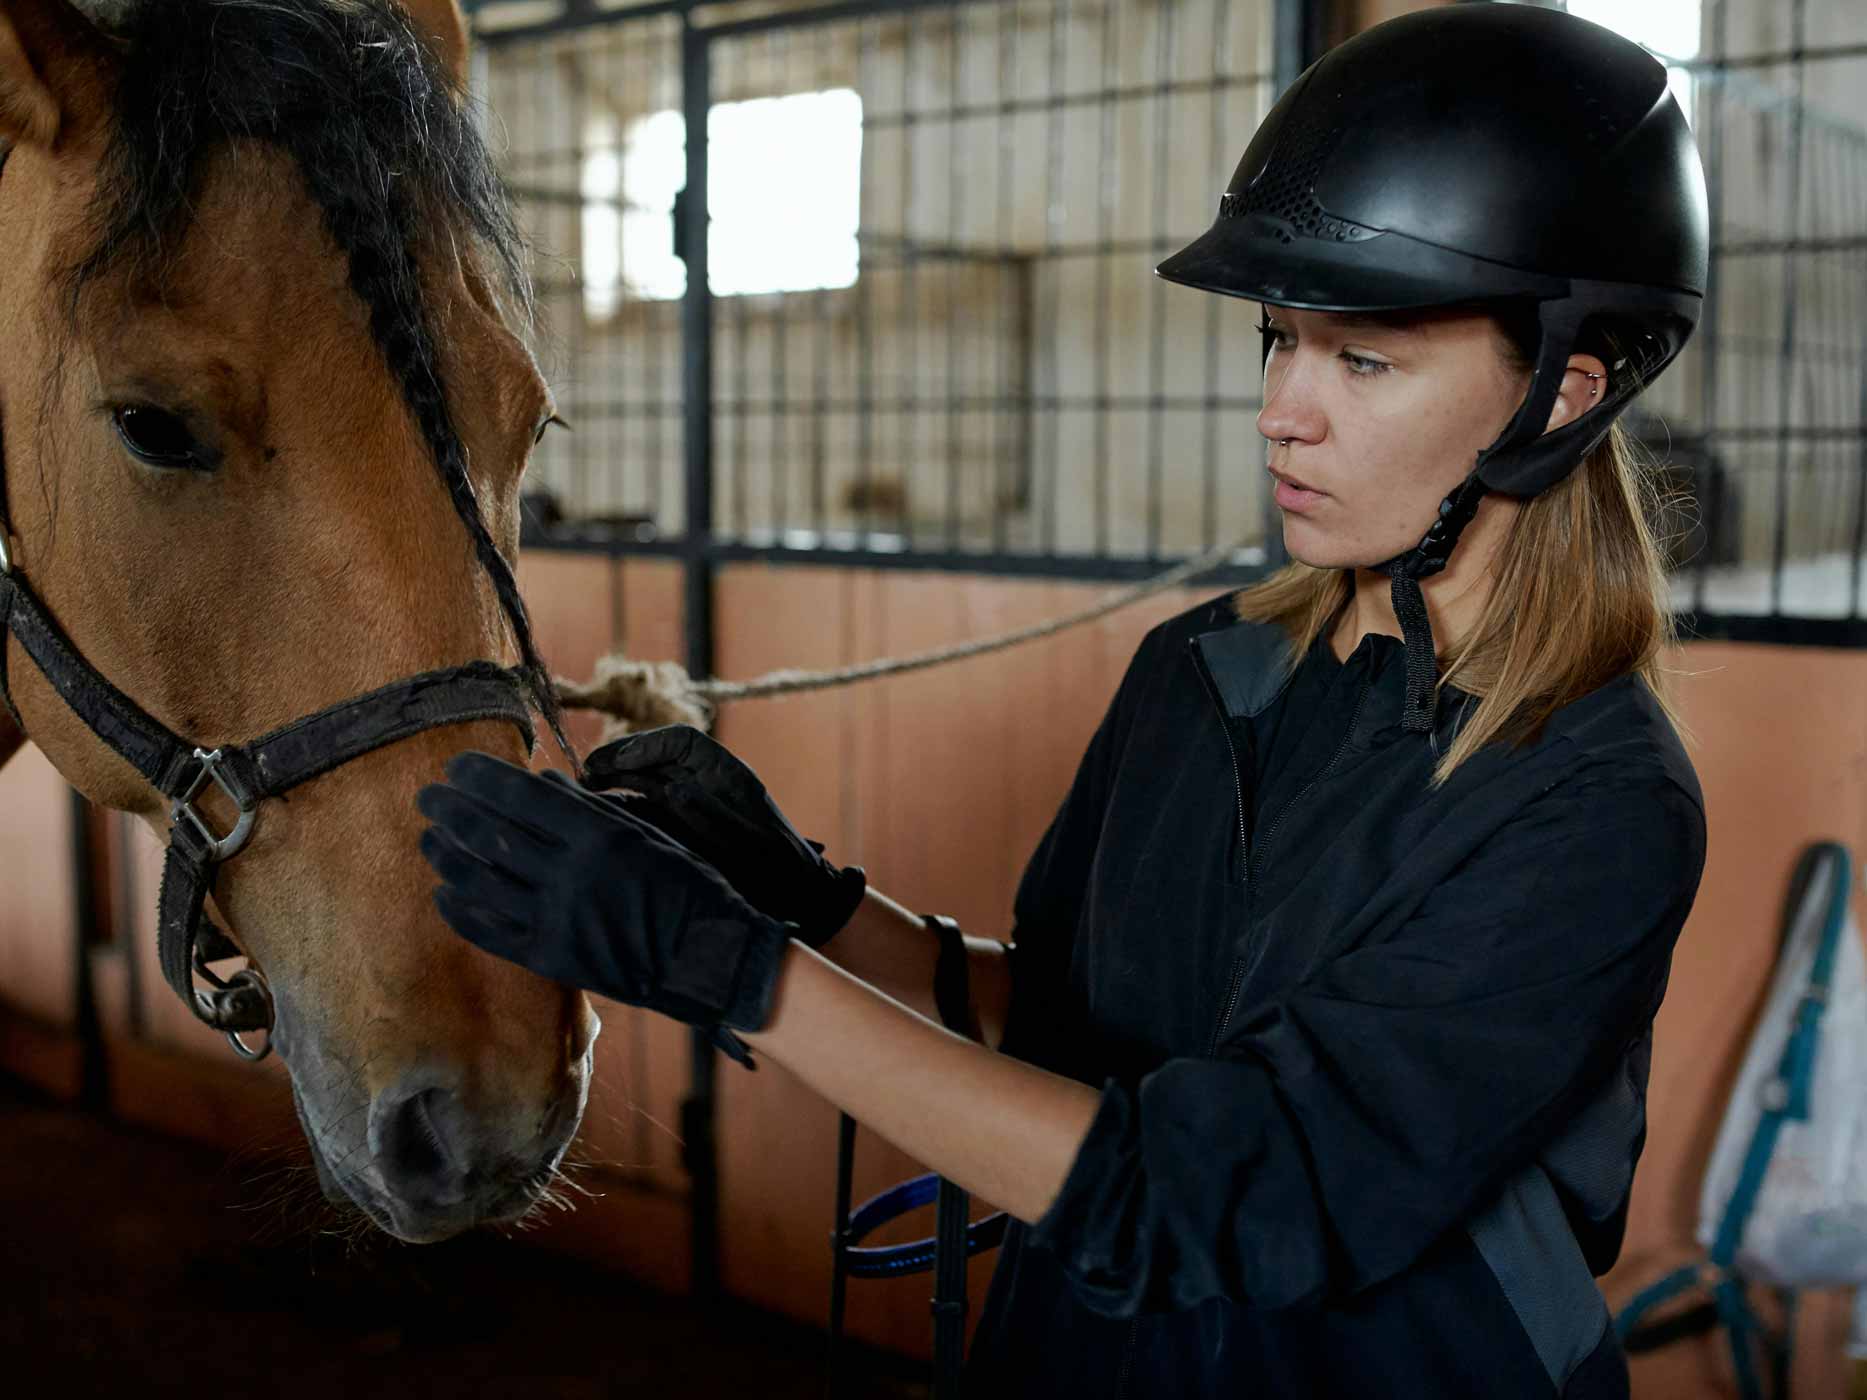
{"x": 1384, "y": 416}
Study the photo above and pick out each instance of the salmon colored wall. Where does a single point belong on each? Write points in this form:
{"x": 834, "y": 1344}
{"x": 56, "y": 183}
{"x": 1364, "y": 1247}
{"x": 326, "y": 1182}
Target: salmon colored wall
{"x": 36, "y": 967}
{"x": 940, "y": 784}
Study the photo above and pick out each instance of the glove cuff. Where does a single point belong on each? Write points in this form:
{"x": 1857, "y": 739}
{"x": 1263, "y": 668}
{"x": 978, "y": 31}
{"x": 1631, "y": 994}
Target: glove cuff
{"x": 755, "y": 984}
{"x": 847, "y": 887}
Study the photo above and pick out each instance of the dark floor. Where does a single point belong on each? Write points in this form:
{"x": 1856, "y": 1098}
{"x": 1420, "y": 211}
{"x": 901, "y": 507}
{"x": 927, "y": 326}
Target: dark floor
{"x": 123, "y": 1272}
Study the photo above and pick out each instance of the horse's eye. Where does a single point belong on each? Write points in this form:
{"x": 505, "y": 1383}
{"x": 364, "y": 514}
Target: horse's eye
{"x": 158, "y": 438}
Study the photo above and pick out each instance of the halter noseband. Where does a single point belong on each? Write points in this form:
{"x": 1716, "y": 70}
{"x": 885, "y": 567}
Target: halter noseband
{"x": 186, "y": 939}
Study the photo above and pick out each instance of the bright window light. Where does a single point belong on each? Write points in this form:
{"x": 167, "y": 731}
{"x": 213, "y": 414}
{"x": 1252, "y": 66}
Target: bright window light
{"x": 784, "y": 188}
{"x": 1670, "y": 28}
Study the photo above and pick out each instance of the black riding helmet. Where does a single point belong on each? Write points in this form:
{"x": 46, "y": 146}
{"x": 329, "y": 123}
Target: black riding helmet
{"x": 1476, "y": 153}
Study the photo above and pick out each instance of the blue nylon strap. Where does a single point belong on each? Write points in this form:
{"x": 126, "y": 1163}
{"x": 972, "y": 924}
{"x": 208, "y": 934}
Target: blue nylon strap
{"x": 917, "y": 1256}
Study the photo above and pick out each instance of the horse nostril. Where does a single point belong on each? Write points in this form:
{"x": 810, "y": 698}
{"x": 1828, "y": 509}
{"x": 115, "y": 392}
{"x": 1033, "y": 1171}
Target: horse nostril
{"x": 415, "y": 1142}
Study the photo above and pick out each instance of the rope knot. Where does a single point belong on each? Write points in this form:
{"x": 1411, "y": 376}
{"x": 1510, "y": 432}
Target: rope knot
{"x": 638, "y": 695}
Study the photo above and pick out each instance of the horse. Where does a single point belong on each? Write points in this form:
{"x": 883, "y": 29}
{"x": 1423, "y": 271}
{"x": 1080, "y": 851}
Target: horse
{"x": 266, "y": 399}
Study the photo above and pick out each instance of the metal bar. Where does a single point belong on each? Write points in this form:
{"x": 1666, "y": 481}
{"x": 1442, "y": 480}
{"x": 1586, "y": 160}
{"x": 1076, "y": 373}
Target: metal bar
{"x": 1009, "y": 307}
{"x": 698, "y": 1109}
{"x": 93, "y": 1067}
{"x": 1773, "y": 630}
{"x": 1215, "y": 155}
{"x": 1134, "y": 92}
{"x": 830, "y": 14}
{"x": 955, "y": 203}
{"x": 1053, "y": 220}
{"x": 780, "y": 422}
{"x": 595, "y": 409}
{"x": 1777, "y": 58}
{"x": 1296, "y": 42}
{"x": 843, "y": 549}
{"x": 1710, "y": 341}
{"x": 1851, "y": 243}
{"x": 908, "y": 424}
{"x": 1157, "y": 303}
{"x": 578, "y": 16}
{"x": 1105, "y": 214}
{"x": 1786, "y": 374}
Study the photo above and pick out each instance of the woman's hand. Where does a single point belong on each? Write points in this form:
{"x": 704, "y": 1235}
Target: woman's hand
{"x": 571, "y": 886}
{"x": 696, "y": 791}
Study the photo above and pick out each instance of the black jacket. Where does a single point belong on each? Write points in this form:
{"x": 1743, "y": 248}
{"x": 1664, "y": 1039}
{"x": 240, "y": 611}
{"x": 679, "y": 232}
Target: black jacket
{"x": 1373, "y": 1059}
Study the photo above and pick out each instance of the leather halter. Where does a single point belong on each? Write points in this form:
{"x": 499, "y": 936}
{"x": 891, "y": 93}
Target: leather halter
{"x": 187, "y": 941}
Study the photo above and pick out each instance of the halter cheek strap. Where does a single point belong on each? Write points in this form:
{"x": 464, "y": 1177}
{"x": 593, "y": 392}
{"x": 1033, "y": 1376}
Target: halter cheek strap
{"x": 248, "y": 774}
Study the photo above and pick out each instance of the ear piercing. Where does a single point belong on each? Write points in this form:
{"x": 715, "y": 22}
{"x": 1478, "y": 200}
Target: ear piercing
{"x": 1593, "y": 388}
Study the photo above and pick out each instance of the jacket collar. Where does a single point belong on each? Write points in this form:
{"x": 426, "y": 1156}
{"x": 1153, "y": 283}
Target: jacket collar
{"x": 1250, "y": 668}
{"x": 1249, "y": 665}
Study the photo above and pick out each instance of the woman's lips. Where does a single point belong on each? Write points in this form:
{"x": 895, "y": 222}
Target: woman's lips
{"x": 1291, "y": 495}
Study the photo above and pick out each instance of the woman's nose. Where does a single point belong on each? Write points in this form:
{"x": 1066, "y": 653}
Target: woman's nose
{"x": 1289, "y": 411}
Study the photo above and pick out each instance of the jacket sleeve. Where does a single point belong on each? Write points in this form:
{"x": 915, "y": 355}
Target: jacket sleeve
{"x": 1346, "y": 1126}
{"x": 1049, "y": 898}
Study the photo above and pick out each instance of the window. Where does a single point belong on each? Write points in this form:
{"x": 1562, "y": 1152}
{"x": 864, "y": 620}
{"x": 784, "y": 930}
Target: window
{"x": 784, "y": 189}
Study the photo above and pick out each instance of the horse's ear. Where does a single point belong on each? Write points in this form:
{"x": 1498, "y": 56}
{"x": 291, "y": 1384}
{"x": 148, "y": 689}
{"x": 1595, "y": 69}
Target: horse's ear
{"x": 48, "y": 77}
{"x": 445, "y": 28}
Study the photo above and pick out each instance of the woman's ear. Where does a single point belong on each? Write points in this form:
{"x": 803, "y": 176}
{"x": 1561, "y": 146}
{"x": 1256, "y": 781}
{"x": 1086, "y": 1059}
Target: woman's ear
{"x": 47, "y": 76}
{"x": 1584, "y": 384}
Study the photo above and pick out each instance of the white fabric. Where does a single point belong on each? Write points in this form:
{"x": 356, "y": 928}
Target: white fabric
{"x": 1809, "y": 1225}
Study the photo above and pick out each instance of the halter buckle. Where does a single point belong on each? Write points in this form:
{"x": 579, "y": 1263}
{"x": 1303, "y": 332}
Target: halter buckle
{"x": 220, "y": 847}
{"x": 6, "y": 560}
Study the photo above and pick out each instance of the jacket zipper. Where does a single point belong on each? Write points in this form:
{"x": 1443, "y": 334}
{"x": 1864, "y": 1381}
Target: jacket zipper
{"x": 1253, "y": 858}
{"x": 1249, "y": 857}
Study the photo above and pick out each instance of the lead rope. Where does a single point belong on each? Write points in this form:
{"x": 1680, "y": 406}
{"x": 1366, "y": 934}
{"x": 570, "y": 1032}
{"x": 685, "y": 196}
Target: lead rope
{"x": 645, "y": 694}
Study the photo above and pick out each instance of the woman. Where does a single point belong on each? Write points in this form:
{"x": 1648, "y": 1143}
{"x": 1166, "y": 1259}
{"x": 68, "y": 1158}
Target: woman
{"x": 1317, "y": 1065}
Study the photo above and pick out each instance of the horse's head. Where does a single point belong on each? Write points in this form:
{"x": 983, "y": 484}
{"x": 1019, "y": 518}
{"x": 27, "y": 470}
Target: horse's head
{"x": 262, "y": 377}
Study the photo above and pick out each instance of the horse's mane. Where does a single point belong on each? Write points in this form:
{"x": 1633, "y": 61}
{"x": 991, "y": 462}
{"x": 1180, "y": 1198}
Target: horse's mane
{"x": 385, "y": 143}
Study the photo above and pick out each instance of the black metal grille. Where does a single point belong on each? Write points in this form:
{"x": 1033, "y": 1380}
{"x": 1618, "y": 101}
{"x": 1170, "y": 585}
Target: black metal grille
{"x": 1007, "y": 388}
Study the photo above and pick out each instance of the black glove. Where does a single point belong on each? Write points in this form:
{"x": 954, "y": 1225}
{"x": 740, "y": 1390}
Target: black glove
{"x": 710, "y": 802}
{"x": 555, "y": 879}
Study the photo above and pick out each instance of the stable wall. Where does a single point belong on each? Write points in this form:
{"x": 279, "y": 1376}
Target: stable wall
{"x": 940, "y": 784}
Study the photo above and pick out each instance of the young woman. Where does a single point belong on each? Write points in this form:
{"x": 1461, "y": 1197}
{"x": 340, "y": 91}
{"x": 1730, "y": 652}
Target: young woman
{"x": 1317, "y": 1065}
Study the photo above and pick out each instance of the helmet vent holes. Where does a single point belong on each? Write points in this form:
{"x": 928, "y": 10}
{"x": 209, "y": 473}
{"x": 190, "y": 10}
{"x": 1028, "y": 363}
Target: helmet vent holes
{"x": 1287, "y": 195}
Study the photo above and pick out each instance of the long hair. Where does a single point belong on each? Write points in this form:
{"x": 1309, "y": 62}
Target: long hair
{"x": 1578, "y": 597}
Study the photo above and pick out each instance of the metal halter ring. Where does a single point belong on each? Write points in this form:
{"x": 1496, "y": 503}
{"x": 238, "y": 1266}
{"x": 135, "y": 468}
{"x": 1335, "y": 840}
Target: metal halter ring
{"x": 246, "y": 977}
{"x": 220, "y": 847}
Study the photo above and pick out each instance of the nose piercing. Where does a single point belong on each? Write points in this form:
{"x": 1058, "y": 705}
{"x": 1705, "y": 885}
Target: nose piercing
{"x": 1283, "y": 442}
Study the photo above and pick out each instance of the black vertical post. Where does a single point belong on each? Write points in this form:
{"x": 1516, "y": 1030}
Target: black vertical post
{"x": 701, "y": 1155}
{"x": 93, "y": 1086}
{"x": 1297, "y": 39}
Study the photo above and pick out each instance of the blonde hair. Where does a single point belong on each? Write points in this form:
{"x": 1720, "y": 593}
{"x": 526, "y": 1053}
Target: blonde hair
{"x": 1579, "y": 598}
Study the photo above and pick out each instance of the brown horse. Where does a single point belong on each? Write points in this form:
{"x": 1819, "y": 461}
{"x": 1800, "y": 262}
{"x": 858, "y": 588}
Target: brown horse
{"x": 222, "y": 408}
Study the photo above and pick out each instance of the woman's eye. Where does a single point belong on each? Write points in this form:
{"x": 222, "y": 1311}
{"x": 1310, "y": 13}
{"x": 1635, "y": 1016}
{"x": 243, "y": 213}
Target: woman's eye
{"x": 1279, "y": 337}
{"x": 1362, "y": 366}
{"x": 158, "y": 438}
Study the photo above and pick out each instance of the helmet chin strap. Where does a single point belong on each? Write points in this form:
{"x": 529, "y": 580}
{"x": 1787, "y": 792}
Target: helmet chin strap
{"x": 1523, "y": 456}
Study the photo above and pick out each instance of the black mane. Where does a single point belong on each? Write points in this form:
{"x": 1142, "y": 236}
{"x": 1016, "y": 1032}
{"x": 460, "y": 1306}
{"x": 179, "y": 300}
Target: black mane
{"x": 386, "y": 145}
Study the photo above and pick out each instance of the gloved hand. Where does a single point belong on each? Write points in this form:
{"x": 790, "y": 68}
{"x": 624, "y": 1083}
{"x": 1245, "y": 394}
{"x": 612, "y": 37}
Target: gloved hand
{"x": 697, "y": 792}
{"x": 560, "y": 881}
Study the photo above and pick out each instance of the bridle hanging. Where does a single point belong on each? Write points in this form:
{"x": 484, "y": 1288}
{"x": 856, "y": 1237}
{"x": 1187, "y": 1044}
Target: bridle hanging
{"x": 250, "y": 773}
